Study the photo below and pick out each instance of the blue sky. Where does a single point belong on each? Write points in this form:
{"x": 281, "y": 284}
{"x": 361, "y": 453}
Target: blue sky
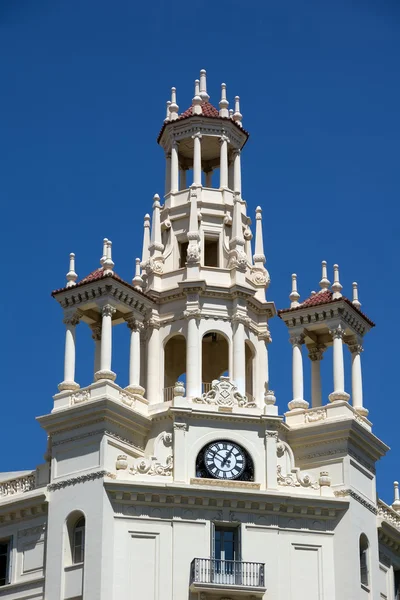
{"x": 84, "y": 86}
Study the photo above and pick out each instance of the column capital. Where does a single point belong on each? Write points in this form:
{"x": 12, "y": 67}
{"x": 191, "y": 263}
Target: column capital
{"x": 108, "y": 310}
{"x": 154, "y": 323}
{"x": 197, "y": 135}
{"x": 224, "y": 138}
{"x": 96, "y": 331}
{"x": 315, "y": 353}
{"x": 337, "y": 332}
{"x": 192, "y": 313}
{"x": 296, "y": 339}
{"x": 72, "y": 317}
{"x": 241, "y": 318}
{"x": 236, "y": 152}
{"x": 271, "y": 434}
{"x": 133, "y": 324}
{"x": 355, "y": 347}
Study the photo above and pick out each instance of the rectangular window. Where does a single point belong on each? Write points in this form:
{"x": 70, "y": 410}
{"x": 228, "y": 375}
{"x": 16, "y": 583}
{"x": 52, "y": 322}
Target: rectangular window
{"x": 211, "y": 250}
{"x": 4, "y": 561}
{"x": 183, "y": 247}
{"x": 79, "y": 545}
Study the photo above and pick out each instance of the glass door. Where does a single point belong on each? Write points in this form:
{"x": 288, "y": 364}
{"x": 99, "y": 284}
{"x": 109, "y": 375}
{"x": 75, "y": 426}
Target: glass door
{"x": 226, "y": 565}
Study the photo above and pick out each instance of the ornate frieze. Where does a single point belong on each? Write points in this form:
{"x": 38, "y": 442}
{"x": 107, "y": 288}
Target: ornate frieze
{"x": 59, "y": 485}
{"x": 17, "y": 485}
{"x": 319, "y": 414}
{"x": 296, "y": 479}
{"x": 150, "y": 466}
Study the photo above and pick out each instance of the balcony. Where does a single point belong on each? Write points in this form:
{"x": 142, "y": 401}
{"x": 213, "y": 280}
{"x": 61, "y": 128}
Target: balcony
{"x": 237, "y": 577}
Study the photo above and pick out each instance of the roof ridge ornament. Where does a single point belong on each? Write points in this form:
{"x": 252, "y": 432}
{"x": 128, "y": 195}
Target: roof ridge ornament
{"x": 396, "y": 502}
{"x": 71, "y": 275}
{"x": 108, "y": 264}
{"x": 137, "y": 281}
{"x": 324, "y": 283}
{"x": 196, "y": 102}
{"x": 168, "y": 116}
{"x": 237, "y": 115}
{"x": 336, "y": 285}
{"x": 104, "y": 257}
{"x": 355, "y": 300}
{"x": 294, "y": 294}
{"x": 173, "y": 107}
{"x": 203, "y": 86}
{"x": 223, "y": 103}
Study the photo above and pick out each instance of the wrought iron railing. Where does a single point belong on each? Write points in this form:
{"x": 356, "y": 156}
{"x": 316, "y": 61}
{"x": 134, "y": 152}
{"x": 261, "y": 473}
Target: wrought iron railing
{"x": 227, "y": 572}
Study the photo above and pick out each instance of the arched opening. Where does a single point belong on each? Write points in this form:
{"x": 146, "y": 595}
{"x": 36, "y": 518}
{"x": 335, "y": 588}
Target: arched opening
{"x": 249, "y": 358}
{"x": 174, "y": 364}
{"x": 215, "y": 358}
{"x": 76, "y": 533}
{"x": 364, "y": 567}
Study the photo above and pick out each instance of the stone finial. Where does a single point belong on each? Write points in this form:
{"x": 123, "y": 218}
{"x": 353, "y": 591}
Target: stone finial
{"x": 223, "y": 103}
{"x": 146, "y": 240}
{"x": 173, "y": 107}
{"x": 231, "y": 113}
{"x": 356, "y": 301}
{"x": 336, "y": 286}
{"x": 196, "y": 102}
{"x": 294, "y": 294}
{"x": 324, "y": 283}
{"x": 71, "y": 275}
{"x": 108, "y": 264}
{"x": 137, "y": 281}
{"x": 237, "y": 115}
{"x": 203, "y": 86}
{"x": 168, "y": 116}
{"x": 396, "y": 503}
{"x": 103, "y": 258}
{"x": 259, "y": 255}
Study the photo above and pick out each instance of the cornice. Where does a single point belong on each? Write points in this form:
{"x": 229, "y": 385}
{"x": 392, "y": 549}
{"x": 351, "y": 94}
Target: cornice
{"x": 352, "y": 494}
{"x": 28, "y": 505}
{"x": 59, "y": 485}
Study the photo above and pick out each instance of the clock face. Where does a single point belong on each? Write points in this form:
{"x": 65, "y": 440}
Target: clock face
{"x": 224, "y": 460}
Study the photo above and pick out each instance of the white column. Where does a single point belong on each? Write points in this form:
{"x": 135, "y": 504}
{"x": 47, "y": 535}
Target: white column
{"x": 174, "y": 167}
{"x": 223, "y": 164}
{"x": 134, "y": 357}
{"x": 338, "y": 366}
{"x": 106, "y": 345}
{"x": 96, "y": 335}
{"x": 315, "y": 355}
{"x": 209, "y": 178}
{"x": 239, "y": 357}
{"x": 197, "y": 158}
{"x": 356, "y": 378}
{"x": 153, "y": 387}
{"x": 182, "y": 179}
{"x": 167, "y": 172}
{"x": 70, "y": 320}
{"x": 193, "y": 356}
{"x": 237, "y": 175}
{"x": 297, "y": 373}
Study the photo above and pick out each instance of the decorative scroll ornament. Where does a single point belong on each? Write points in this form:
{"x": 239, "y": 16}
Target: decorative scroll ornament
{"x": 238, "y": 260}
{"x": 193, "y": 250}
{"x": 260, "y": 276}
{"x": 150, "y": 466}
{"x": 225, "y": 393}
{"x": 154, "y": 265}
{"x": 295, "y": 479}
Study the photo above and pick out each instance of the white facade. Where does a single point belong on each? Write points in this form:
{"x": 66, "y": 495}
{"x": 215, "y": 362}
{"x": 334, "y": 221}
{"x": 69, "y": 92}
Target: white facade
{"x": 188, "y": 484}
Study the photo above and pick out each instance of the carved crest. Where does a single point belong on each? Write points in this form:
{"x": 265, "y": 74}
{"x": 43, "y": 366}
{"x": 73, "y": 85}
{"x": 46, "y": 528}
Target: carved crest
{"x": 225, "y": 393}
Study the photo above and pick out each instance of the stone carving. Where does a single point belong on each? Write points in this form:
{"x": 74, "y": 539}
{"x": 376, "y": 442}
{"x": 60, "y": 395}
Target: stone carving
{"x": 297, "y": 340}
{"x": 337, "y": 332}
{"x": 324, "y": 479}
{"x": 315, "y": 415}
{"x": 79, "y": 397}
{"x": 150, "y": 466}
{"x": 295, "y": 479}
{"x": 108, "y": 310}
{"x": 260, "y": 276}
{"x": 17, "y": 485}
{"x": 154, "y": 266}
{"x": 224, "y": 393}
{"x": 181, "y": 426}
{"x": 238, "y": 260}
{"x": 121, "y": 462}
{"x": 127, "y": 398}
{"x": 81, "y": 479}
{"x": 388, "y": 514}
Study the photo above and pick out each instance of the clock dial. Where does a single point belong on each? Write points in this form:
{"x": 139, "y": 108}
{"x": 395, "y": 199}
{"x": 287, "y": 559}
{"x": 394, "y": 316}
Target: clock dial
{"x": 224, "y": 460}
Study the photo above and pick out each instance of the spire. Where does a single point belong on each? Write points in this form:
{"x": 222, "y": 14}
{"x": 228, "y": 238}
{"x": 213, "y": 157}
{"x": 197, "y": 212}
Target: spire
{"x": 324, "y": 283}
{"x": 71, "y": 275}
{"x": 103, "y": 258}
{"x": 356, "y": 301}
{"x": 396, "y": 503}
{"x": 137, "y": 281}
{"x": 196, "y": 102}
{"x": 294, "y": 294}
{"x": 108, "y": 264}
{"x": 336, "y": 286}
{"x": 237, "y": 116}
{"x": 167, "y": 118}
{"x": 203, "y": 86}
{"x": 173, "y": 107}
{"x": 223, "y": 103}
{"x": 146, "y": 240}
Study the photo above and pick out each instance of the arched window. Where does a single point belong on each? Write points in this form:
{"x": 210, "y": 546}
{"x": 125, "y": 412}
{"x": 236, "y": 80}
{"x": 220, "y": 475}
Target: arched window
{"x": 215, "y": 358}
{"x": 364, "y": 573}
{"x": 174, "y": 364}
{"x": 249, "y": 357}
{"x": 75, "y": 549}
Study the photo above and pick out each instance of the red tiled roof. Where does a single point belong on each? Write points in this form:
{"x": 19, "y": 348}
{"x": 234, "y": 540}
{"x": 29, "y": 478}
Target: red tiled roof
{"x": 96, "y": 275}
{"x": 324, "y": 297}
{"x": 208, "y": 111}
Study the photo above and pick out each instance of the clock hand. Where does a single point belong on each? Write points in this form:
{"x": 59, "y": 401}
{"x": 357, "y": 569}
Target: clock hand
{"x": 227, "y": 457}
